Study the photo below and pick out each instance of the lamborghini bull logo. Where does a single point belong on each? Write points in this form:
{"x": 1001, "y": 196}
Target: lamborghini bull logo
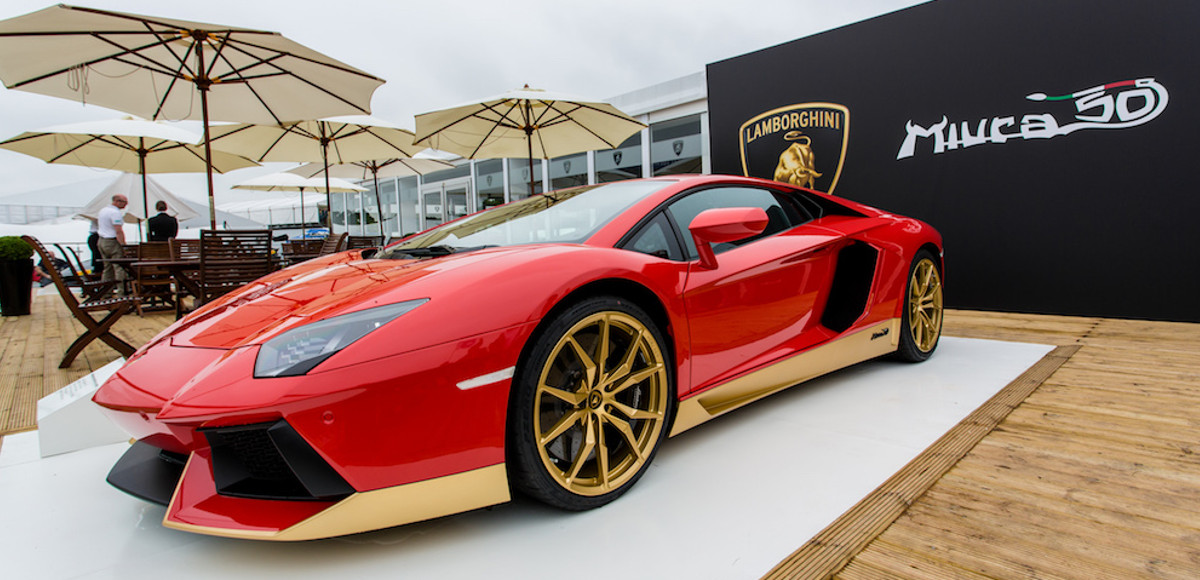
{"x": 796, "y": 164}
{"x": 802, "y": 145}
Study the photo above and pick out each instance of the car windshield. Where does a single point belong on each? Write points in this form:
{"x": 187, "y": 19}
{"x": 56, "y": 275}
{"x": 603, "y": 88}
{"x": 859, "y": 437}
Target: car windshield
{"x": 569, "y": 216}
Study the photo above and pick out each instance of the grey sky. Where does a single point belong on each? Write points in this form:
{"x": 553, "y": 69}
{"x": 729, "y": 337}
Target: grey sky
{"x": 441, "y": 53}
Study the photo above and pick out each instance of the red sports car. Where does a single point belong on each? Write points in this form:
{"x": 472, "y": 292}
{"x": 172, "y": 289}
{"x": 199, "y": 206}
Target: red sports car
{"x": 547, "y": 346}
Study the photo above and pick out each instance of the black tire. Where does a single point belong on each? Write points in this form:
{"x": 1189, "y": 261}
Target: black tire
{"x": 581, "y": 432}
{"x": 921, "y": 322}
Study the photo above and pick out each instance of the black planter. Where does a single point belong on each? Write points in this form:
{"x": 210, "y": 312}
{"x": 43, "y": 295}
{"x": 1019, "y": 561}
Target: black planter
{"x": 16, "y": 287}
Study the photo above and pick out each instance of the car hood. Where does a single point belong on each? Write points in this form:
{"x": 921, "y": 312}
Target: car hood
{"x": 327, "y": 287}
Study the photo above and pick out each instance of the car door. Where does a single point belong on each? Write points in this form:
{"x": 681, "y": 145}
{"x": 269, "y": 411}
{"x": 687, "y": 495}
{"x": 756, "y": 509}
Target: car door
{"x": 762, "y": 301}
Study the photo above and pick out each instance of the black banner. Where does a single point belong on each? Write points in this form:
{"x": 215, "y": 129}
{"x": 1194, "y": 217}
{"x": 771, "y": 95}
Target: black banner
{"x": 1048, "y": 140}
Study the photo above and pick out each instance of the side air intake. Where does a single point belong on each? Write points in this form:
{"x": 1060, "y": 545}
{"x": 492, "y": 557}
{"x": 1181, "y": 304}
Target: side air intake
{"x": 851, "y": 286}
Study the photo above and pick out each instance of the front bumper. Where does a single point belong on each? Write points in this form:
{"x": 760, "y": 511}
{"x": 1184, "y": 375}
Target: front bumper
{"x": 241, "y": 493}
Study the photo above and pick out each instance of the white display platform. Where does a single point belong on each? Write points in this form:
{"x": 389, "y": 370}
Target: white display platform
{"x": 728, "y": 499}
{"x": 68, "y": 420}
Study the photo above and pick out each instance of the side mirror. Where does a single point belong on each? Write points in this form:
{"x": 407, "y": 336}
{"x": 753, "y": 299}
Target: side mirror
{"x": 714, "y": 226}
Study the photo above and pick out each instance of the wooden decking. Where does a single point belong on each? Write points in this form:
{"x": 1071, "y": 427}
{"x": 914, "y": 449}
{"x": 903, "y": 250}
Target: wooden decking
{"x": 1092, "y": 470}
{"x": 1087, "y": 466}
{"x": 33, "y": 345}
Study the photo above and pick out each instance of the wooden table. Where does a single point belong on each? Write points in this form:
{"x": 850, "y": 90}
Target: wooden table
{"x": 179, "y": 270}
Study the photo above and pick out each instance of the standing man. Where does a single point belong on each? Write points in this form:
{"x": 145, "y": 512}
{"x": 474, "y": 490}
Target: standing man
{"x": 163, "y": 227}
{"x": 112, "y": 235}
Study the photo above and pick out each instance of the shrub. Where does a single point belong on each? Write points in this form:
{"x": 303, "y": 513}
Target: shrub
{"x": 14, "y": 248}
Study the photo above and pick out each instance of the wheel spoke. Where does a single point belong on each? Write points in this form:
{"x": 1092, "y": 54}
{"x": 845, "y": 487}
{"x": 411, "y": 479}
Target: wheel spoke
{"x": 589, "y": 444}
{"x": 602, "y": 346}
{"x": 627, "y": 359}
{"x": 633, "y": 413}
{"x": 601, "y": 452}
{"x": 573, "y": 398}
{"x": 638, "y": 377}
{"x": 631, "y": 441}
{"x": 589, "y": 365}
{"x": 566, "y": 422}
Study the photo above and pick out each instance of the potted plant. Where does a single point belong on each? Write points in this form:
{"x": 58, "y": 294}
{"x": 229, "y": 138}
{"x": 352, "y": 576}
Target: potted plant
{"x": 16, "y": 276}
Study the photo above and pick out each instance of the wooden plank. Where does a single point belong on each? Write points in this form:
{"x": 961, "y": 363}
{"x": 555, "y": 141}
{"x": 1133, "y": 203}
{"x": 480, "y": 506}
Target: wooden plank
{"x": 33, "y": 346}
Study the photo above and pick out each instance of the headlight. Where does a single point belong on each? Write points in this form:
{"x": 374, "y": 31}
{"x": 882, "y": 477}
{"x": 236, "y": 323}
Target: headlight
{"x": 298, "y": 350}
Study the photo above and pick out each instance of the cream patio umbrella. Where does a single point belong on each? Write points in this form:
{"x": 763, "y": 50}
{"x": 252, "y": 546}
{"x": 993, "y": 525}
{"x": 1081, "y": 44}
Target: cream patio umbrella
{"x": 293, "y": 182}
{"x": 161, "y": 68}
{"x": 331, "y": 141}
{"x": 128, "y": 145}
{"x": 525, "y": 122}
{"x": 374, "y": 169}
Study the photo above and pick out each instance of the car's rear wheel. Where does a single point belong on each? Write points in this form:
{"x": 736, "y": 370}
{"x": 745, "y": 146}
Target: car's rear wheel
{"x": 921, "y": 324}
{"x": 590, "y": 406}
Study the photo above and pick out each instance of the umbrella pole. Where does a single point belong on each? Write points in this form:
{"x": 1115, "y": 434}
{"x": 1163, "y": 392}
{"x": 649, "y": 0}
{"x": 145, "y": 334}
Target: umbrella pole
{"x": 378, "y": 203}
{"x": 529, "y": 142}
{"x": 142, "y": 169}
{"x": 202, "y": 83}
{"x": 325, "y": 160}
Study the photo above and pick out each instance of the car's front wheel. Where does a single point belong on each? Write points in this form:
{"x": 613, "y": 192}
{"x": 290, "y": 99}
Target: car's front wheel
{"x": 590, "y": 405}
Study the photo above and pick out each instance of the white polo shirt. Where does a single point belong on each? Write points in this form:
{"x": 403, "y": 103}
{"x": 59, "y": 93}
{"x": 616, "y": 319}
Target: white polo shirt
{"x": 108, "y": 220}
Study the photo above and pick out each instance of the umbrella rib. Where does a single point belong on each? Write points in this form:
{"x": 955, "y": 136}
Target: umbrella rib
{"x": 67, "y": 152}
{"x": 282, "y": 71}
{"x": 310, "y": 60}
{"x": 492, "y": 130}
{"x": 474, "y": 113}
{"x": 117, "y": 57}
{"x": 152, "y": 20}
{"x": 220, "y": 54}
{"x": 372, "y": 133}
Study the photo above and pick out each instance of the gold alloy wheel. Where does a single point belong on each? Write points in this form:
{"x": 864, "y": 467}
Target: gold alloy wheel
{"x": 925, "y": 305}
{"x": 601, "y": 403}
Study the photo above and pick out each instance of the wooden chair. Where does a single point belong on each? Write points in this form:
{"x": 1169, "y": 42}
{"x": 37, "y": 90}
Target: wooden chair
{"x": 230, "y": 259}
{"x": 89, "y": 284}
{"x": 361, "y": 242}
{"x": 102, "y": 329}
{"x": 154, "y": 284}
{"x": 296, "y": 251}
{"x": 332, "y": 244}
{"x": 185, "y": 250}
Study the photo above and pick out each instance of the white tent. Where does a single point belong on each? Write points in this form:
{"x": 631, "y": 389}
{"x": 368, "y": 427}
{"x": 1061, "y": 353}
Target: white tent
{"x": 130, "y": 186}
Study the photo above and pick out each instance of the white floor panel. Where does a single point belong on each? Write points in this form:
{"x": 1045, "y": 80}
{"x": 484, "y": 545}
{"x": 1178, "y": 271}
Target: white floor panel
{"x": 729, "y": 499}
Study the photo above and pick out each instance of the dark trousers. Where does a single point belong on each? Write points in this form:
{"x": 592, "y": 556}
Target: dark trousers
{"x": 94, "y": 246}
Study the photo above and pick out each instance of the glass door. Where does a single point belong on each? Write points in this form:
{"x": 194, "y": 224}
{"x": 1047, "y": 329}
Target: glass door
{"x": 445, "y": 201}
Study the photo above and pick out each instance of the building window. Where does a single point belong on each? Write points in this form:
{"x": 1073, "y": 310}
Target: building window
{"x": 568, "y": 171}
{"x": 409, "y": 219}
{"x": 370, "y": 212}
{"x": 337, "y": 212}
{"x": 354, "y": 214}
{"x": 518, "y": 178}
{"x": 675, "y": 146}
{"x": 489, "y": 183}
{"x": 463, "y": 170}
{"x": 624, "y": 162}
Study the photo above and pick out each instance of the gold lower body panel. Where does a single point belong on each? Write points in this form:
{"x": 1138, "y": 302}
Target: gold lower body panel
{"x": 384, "y": 508}
{"x": 866, "y": 344}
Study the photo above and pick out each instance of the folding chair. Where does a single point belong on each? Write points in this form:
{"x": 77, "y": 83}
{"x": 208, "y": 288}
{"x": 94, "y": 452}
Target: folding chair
{"x": 102, "y": 329}
{"x": 333, "y": 244}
